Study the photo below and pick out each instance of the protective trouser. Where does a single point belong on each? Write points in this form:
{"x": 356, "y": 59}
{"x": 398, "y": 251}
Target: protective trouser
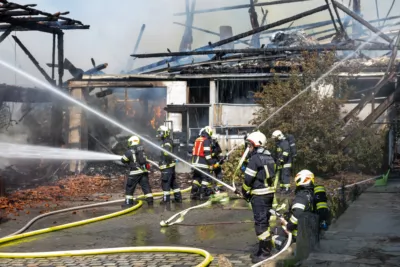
{"x": 168, "y": 182}
{"x": 132, "y": 182}
{"x": 261, "y": 204}
{"x": 201, "y": 185}
{"x": 285, "y": 174}
{"x": 219, "y": 176}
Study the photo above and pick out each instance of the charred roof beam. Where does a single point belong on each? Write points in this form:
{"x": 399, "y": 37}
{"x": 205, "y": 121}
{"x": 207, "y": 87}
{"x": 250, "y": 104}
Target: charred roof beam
{"x": 241, "y": 6}
{"x": 34, "y": 61}
{"x": 267, "y": 50}
{"x": 6, "y": 33}
{"x": 362, "y": 21}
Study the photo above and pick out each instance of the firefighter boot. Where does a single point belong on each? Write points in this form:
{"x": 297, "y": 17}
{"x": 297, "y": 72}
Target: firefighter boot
{"x": 194, "y": 194}
{"x": 264, "y": 251}
{"x": 178, "y": 197}
{"x": 204, "y": 192}
{"x": 150, "y": 201}
{"x": 128, "y": 203}
{"x": 166, "y": 199}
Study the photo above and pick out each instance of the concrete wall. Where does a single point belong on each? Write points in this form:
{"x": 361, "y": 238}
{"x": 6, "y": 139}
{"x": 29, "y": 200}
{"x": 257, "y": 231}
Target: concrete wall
{"x": 233, "y": 114}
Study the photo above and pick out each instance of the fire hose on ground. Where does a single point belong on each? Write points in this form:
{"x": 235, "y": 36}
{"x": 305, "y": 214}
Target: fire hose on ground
{"x": 19, "y": 235}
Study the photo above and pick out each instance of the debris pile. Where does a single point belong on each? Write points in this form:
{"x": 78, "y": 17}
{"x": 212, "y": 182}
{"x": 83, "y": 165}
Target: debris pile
{"x": 72, "y": 188}
{"x": 107, "y": 169}
{"x": 291, "y": 39}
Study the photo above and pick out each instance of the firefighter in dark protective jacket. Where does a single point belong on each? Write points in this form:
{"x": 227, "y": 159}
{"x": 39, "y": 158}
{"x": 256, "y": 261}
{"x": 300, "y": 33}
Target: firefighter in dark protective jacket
{"x": 283, "y": 160}
{"x": 135, "y": 157}
{"x": 202, "y": 159}
{"x": 303, "y": 202}
{"x": 258, "y": 189}
{"x": 219, "y": 160}
{"x": 167, "y": 167}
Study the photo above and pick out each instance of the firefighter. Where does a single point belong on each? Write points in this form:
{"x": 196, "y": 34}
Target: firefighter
{"x": 135, "y": 157}
{"x": 167, "y": 167}
{"x": 202, "y": 159}
{"x": 283, "y": 160}
{"x": 216, "y": 155}
{"x": 259, "y": 191}
{"x": 303, "y": 202}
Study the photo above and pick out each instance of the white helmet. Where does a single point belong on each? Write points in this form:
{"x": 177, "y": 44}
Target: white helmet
{"x": 304, "y": 178}
{"x": 257, "y": 139}
{"x": 208, "y": 130}
{"x": 133, "y": 141}
{"x": 163, "y": 131}
{"x": 278, "y": 135}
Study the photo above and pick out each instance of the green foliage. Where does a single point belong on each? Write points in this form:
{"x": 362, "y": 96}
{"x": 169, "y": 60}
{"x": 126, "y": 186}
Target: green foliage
{"x": 315, "y": 119}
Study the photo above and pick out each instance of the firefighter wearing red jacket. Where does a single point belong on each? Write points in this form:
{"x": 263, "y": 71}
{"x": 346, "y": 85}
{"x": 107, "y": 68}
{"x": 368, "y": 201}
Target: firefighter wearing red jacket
{"x": 136, "y": 159}
{"x": 202, "y": 159}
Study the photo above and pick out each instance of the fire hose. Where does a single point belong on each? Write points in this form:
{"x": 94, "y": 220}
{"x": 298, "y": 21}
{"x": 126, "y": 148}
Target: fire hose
{"x": 20, "y": 235}
{"x": 287, "y": 245}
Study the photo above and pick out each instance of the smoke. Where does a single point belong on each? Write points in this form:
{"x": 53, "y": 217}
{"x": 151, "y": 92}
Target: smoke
{"x": 15, "y": 133}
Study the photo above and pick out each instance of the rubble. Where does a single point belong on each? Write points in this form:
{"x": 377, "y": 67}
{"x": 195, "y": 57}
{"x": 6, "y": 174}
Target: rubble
{"x": 291, "y": 39}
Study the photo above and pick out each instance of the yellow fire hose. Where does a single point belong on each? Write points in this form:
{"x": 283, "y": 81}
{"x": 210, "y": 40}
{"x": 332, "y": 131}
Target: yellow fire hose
{"x": 18, "y": 235}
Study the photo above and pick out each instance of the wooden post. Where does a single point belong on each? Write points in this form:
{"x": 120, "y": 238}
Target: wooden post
{"x": 77, "y": 129}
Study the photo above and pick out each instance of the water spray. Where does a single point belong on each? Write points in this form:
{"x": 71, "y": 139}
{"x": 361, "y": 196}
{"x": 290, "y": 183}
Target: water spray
{"x": 108, "y": 119}
{"x": 22, "y": 151}
{"x": 373, "y": 37}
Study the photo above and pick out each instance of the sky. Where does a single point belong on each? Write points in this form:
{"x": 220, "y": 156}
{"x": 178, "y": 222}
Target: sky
{"x": 114, "y": 29}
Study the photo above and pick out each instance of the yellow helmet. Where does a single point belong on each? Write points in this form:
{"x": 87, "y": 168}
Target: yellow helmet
{"x": 133, "y": 141}
{"x": 163, "y": 131}
{"x": 208, "y": 130}
{"x": 304, "y": 178}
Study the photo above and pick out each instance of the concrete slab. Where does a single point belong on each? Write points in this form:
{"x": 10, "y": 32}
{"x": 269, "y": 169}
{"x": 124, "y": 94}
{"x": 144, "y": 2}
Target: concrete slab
{"x": 366, "y": 234}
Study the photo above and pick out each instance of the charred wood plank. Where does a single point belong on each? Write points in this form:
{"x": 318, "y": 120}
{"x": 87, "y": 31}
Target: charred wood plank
{"x": 373, "y": 116}
{"x": 241, "y": 6}
{"x": 266, "y": 50}
{"x": 389, "y": 74}
{"x": 33, "y": 59}
{"x": 6, "y": 33}
{"x": 207, "y": 31}
{"x": 332, "y": 18}
{"x": 269, "y": 26}
{"x": 362, "y": 21}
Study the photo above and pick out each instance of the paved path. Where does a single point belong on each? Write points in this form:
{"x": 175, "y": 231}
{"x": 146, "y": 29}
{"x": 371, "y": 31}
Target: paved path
{"x": 367, "y": 234}
{"x": 141, "y": 228}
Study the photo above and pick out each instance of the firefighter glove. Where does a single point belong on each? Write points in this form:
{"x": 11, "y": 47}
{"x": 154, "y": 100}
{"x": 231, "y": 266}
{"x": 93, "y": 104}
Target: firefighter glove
{"x": 246, "y": 195}
{"x": 243, "y": 168}
{"x": 216, "y": 165}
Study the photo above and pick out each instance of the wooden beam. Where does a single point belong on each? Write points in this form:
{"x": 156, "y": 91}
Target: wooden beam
{"x": 6, "y": 33}
{"x": 370, "y": 118}
{"x": 33, "y": 59}
{"x": 362, "y": 21}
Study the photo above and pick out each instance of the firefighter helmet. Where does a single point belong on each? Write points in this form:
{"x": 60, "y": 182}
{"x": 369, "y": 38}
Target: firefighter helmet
{"x": 257, "y": 139}
{"x": 208, "y": 130}
{"x": 304, "y": 178}
{"x": 133, "y": 141}
{"x": 278, "y": 135}
{"x": 163, "y": 131}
